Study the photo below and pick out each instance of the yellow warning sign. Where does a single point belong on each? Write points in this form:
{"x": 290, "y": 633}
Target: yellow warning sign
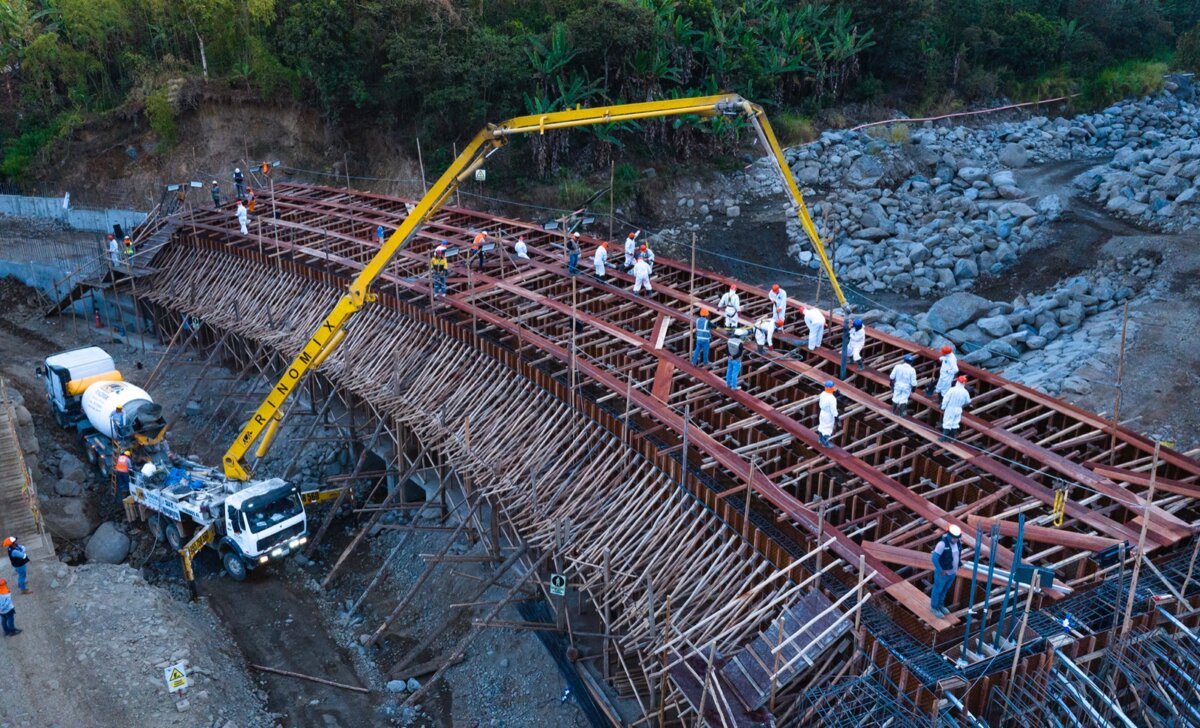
{"x": 176, "y": 677}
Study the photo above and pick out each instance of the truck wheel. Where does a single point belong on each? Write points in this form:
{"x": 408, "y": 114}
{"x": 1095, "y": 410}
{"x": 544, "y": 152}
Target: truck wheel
{"x": 234, "y": 565}
{"x": 174, "y": 537}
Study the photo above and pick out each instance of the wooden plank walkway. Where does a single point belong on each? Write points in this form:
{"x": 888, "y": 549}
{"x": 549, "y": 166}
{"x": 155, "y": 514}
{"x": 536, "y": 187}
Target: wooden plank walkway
{"x": 17, "y": 492}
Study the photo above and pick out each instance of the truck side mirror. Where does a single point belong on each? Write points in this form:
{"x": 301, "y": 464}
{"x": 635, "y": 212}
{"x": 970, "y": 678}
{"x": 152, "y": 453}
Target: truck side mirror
{"x": 40, "y": 372}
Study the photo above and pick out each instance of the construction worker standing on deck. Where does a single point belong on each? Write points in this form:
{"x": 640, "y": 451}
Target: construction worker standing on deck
{"x": 573, "y": 251}
{"x": 121, "y": 468}
{"x": 20, "y": 562}
{"x": 764, "y": 334}
{"x": 521, "y": 249}
{"x": 641, "y": 275}
{"x": 778, "y": 298}
{"x": 815, "y": 320}
{"x": 114, "y": 251}
{"x": 946, "y": 557}
{"x": 703, "y": 337}
{"x": 239, "y": 183}
{"x": 116, "y": 422}
{"x": 477, "y": 250}
{"x": 243, "y": 217}
{"x": 946, "y": 373}
{"x": 251, "y": 200}
{"x": 827, "y": 419}
{"x": 858, "y": 338}
{"x": 128, "y": 248}
{"x": 8, "y": 612}
{"x": 733, "y": 366}
{"x": 731, "y": 306}
{"x": 438, "y": 267}
{"x": 600, "y": 259}
{"x": 630, "y": 249}
{"x": 953, "y": 402}
{"x": 380, "y": 233}
{"x": 215, "y": 190}
{"x": 645, "y": 253}
{"x": 904, "y": 381}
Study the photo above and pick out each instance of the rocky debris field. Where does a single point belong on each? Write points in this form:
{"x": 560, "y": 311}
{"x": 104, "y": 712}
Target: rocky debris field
{"x": 1158, "y": 186}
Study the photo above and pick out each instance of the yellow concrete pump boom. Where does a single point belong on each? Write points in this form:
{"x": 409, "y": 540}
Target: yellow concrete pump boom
{"x": 265, "y": 422}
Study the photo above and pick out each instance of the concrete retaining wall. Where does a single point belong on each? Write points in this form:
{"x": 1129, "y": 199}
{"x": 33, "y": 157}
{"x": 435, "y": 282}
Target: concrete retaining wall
{"x": 51, "y": 208}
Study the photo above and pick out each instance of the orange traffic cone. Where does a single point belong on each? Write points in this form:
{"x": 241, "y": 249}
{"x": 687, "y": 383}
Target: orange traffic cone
{"x": 97, "y": 312}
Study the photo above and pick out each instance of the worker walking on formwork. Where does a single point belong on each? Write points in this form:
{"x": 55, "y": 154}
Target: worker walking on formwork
{"x": 215, "y": 191}
{"x": 239, "y": 183}
{"x": 733, "y": 365}
{"x": 764, "y": 333}
{"x": 641, "y": 275}
{"x": 438, "y": 268}
{"x": 600, "y": 262}
{"x": 630, "y": 249}
{"x": 953, "y": 402}
{"x": 731, "y": 306}
{"x": 573, "y": 251}
{"x": 703, "y": 337}
{"x": 114, "y": 251}
{"x": 827, "y": 419}
{"x": 477, "y": 250}
{"x": 946, "y": 557}
{"x": 815, "y": 320}
{"x": 778, "y": 298}
{"x": 858, "y": 339}
{"x": 947, "y": 371}
{"x": 243, "y": 217}
{"x": 904, "y": 381}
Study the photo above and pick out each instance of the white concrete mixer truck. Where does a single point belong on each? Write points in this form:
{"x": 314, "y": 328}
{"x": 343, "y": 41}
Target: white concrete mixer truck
{"x": 250, "y": 523}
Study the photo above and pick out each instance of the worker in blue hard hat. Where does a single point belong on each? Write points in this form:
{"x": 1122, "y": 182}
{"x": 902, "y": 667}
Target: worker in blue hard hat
{"x": 827, "y": 419}
{"x": 858, "y": 337}
{"x": 904, "y": 381}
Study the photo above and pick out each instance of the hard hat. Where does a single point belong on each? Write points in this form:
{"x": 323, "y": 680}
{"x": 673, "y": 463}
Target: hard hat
{"x": 703, "y": 311}
{"x": 3, "y": 586}
{"x": 604, "y": 244}
{"x": 576, "y": 234}
{"x": 214, "y": 181}
{"x": 127, "y": 237}
{"x": 779, "y": 322}
{"x": 110, "y": 237}
{"x": 237, "y": 170}
{"x": 908, "y": 358}
{"x": 775, "y": 288}
{"x": 828, "y": 384}
{"x": 632, "y": 235}
{"x": 857, "y": 323}
{"x": 521, "y": 238}
{"x": 127, "y": 452}
{"x": 947, "y": 349}
{"x": 962, "y": 380}
{"x": 10, "y": 541}
{"x": 120, "y": 407}
{"x": 733, "y": 286}
{"x": 955, "y": 531}
{"x": 643, "y": 246}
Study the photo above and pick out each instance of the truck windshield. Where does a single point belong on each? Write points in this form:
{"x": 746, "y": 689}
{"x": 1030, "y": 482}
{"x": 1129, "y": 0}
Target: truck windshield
{"x": 274, "y": 513}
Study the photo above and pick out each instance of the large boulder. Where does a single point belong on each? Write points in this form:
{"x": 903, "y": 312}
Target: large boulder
{"x": 69, "y": 518}
{"x": 865, "y": 172}
{"x": 1014, "y": 155}
{"x": 107, "y": 545}
{"x": 995, "y": 326}
{"x": 970, "y": 175}
{"x": 955, "y": 310}
{"x": 68, "y": 488}
{"x": 71, "y": 468}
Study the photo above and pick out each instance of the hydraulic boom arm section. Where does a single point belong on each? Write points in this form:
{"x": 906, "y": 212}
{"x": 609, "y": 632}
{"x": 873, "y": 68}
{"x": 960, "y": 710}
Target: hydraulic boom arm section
{"x": 264, "y": 423}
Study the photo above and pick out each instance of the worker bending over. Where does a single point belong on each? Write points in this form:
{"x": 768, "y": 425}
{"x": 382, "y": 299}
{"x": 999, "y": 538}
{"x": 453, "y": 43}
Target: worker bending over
{"x": 953, "y": 402}
{"x": 764, "y": 333}
{"x": 946, "y": 557}
{"x": 573, "y": 251}
{"x": 731, "y": 306}
{"x": 521, "y": 249}
{"x": 827, "y": 404}
{"x": 600, "y": 259}
{"x": 946, "y": 373}
{"x": 904, "y": 381}
{"x": 733, "y": 366}
{"x": 815, "y": 320}
{"x": 631, "y": 249}
{"x": 438, "y": 268}
{"x": 703, "y": 337}
{"x": 641, "y": 275}
{"x": 778, "y": 298}
{"x": 858, "y": 337}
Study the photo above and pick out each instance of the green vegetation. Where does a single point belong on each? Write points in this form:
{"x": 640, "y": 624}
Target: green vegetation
{"x": 440, "y": 68}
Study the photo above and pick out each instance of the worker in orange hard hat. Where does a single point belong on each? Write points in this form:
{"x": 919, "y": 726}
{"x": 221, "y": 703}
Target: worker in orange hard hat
{"x": 600, "y": 259}
{"x": 8, "y": 612}
{"x": 630, "y": 249}
{"x": 946, "y": 373}
{"x": 953, "y": 402}
{"x": 778, "y": 298}
{"x": 703, "y": 336}
{"x": 19, "y": 559}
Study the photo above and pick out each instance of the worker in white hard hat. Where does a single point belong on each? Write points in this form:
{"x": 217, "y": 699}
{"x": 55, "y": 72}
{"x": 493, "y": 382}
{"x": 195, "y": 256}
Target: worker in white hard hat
{"x": 946, "y": 557}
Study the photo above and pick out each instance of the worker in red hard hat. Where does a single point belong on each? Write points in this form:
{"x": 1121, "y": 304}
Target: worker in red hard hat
{"x": 946, "y": 557}
{"x": 19, "y": 559}
{"x": 731, "y": 306}
{"x": 953, "y": 402}
{"x": 630, "y": 249}
{"x": 778, "y": 298}
{"x": 8, "y": 612}
{"x": 600, "y": 260}
{"x": 641, "y": 275}
{"x": 947, "y": 371}
{"x": 703, "y": 336}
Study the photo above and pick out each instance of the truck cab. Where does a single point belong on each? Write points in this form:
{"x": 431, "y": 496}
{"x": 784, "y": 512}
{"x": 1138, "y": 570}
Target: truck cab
{"x": 261, "y": 523}
{"x": 67, "y": 375}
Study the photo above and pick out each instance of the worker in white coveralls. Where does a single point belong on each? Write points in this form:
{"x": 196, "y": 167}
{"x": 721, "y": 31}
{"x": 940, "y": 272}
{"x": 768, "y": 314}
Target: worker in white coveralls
{"x": 904, "y": 381}
{"x": 778, "y": 298}
{"x": 600, "y": 259}
{"x": 858, "y": 338}
{"x": 521, "y": 249}
{"x": 114, "y": 251}
{"x": 630, "y": 249}
{"x": 731, "y": 306}
{"x": 953, "y": 402}
{"x": 946, "y": 373}
{"x": 827, "y": 404}
{"x": 764, "y": 333}
{"x": 815, "y": 320}
{"x": 641, "y": 276}
{"x": 242, "y": 217}
{"x": 946, "y": 557}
